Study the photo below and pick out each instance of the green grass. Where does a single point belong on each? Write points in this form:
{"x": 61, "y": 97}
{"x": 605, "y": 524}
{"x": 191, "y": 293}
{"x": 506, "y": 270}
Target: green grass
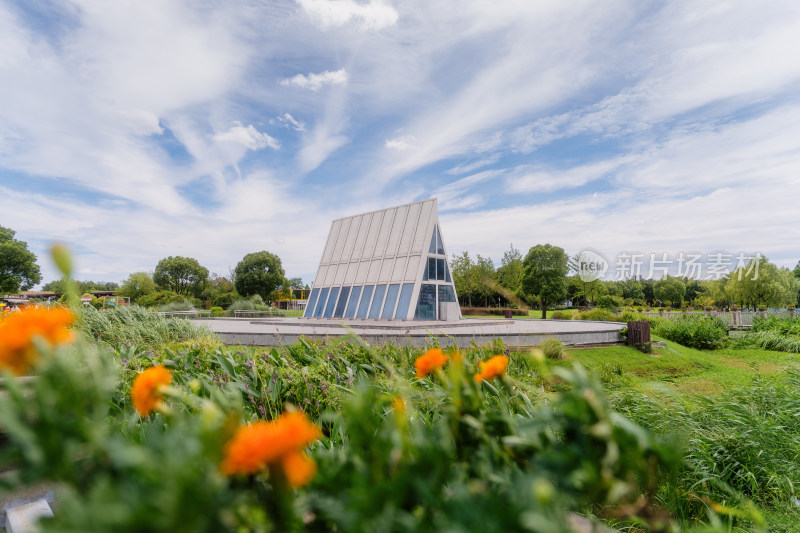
{"x": 683, "y": 369}
{"x": 532, "y": 313}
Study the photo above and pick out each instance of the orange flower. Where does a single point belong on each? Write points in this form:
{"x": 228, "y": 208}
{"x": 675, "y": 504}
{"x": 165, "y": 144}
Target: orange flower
{"x": 298, "y": 468}
{"x": 146, "y": 392}
{"x": 253, "y": 447}
{"x": 431, "y": 361}
{"x": 18, "y": 352}
{"x": 495, "y": 366}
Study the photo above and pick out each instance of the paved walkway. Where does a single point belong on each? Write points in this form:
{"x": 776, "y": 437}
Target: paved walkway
{"x": 513, "y": 333}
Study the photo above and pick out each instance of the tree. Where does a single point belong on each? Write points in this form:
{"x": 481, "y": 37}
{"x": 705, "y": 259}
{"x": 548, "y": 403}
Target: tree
{"x": 464, "y": 276}
{"x": 183, "y": 275}
{"x": 485, "y": 274}
{"x": 137, "y": 285}
{"x": 18, "y": 268}
{"x": 296, "y": 283}
{"x": 632, "y": 290}
{"x": 509, "y": 275}
{"x": 670, "y": 289}
{"x": 544, "y": 274}
{"x": 760, "y": 283}
{"x": 259, "y": 273}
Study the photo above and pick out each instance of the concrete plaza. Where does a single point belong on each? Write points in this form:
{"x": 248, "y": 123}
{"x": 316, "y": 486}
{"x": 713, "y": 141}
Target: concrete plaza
{"x": 462, "y": 333}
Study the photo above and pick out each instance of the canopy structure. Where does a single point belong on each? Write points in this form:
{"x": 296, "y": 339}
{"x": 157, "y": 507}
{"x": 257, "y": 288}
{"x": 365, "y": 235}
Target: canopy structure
{"x": 385, "y": 265}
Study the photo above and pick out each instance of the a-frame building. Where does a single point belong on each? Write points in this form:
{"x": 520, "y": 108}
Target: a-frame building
{"x": 385, "y": 265}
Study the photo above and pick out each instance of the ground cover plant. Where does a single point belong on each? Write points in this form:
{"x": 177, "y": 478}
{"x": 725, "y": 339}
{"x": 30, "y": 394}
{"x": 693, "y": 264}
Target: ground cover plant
{"x": 187, "y": 435}
{"x": 773, "y": 333}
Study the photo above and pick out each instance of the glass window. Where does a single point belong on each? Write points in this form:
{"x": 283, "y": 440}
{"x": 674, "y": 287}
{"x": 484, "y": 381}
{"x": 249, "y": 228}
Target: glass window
{"x": 405, "y": 301}
{"x": 331, "y": 303}
{"x": 391, "y": 299}
{"x": 431, "y": 268}
{"x": 426, "y": 307}
{"x": 339, "y": 311}
{"x": 351, "y": 307}
{"x": 447, "y": 272}
{"x": 439, "y": 245}
{"x": 446, "y": 293}
{"x": 432, "y": 249}
{"x": 377, "y": 300}
{"x": 440, "y": 269}
{"x": 310, "y": 304}
{"x": 363, "y": 307}
{"x": 321, "y": 303}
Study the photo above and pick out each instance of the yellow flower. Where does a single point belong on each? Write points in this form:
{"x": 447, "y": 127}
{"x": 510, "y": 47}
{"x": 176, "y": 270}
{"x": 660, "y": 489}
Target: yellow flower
{"x": 18, "y": 352}
{"x": 430, "y": 361}
{"x": 495, "y": 366}
{"x": 147, "y": 389}
{"x": 254, "y": 447}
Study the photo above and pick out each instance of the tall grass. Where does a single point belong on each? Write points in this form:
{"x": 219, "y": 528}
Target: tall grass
{"x": 700, "y": 332}
{"x": 771, "y": 340}
{"x": 742, "y": 445}
{"x": 134, "y": 325}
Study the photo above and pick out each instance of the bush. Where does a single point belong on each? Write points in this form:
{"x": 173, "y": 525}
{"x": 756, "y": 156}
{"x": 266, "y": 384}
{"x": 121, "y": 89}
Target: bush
{"x": 490, "y": 311}
{"x": 159, "y": 298}
{"x": 561, "y": 315}
{"x": 180, "y": 305}
{"x": 782, "y": 325}
{"x": 240, "y": 305}
{"x": 552, "y": 349}
{"x": 602, "y": 315}
{"x": 224, "y": 300}
{"x": 607, "y": 301}
{"x": 217, "y": 311}
{"x": 700, "y": 332}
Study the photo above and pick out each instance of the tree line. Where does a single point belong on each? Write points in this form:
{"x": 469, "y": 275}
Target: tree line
{"x": 547, "y": 277}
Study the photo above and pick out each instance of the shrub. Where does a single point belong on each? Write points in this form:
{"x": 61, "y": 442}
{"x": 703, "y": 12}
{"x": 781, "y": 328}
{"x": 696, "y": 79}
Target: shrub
{"x": 159, "y": 298}
{"x": 782, "y": 325}
{"x": 180, "y": 305}
{"x": 488, "y": 311}
{"x": 240, "y": 305}
{"x": 603, "y": 315}
{"x": 552, "y": 349}
{"x": 224, "y": 300}
{"x": 217, "y": 311}
{"x": 607, "y": 301}
{"x": 701, "y": 332}
{"x": 561, "y": 315}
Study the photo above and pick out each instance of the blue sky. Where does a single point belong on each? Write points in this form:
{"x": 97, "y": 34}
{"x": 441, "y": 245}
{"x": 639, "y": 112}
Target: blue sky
{"x": 135, "y": 130}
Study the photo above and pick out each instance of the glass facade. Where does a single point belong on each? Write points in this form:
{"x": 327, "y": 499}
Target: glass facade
{"x": 339, "y": 311}
{"x": 312, "y": 300}
{"x": 439, "y": 244}
{"x": 377, "y": 300}
{"x": 391, "y": 300}
{"x": 353, "y": 304}
{"x": 426, "y": 306}
{"x": 331, "y": 303}
{"x": 363, "y": 307}
{"x": 446, "y": 293}
{"x": 323, "y": 296}
{"x": 405, "y": 301}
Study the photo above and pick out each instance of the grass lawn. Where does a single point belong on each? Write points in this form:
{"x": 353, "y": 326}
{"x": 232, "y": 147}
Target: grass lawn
{"x": 683, "y": 369}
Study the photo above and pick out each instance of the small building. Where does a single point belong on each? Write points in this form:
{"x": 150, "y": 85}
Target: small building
{"x": 385, "y": 265}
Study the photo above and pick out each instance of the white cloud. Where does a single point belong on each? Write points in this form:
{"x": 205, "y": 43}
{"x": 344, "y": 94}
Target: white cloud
{"x": 248, "y": 137}
{"x": 374, "y": 15}
{"x": 315, "y": 82}
{"x": 404, "y": 142}
{"x": 288, "y": 121}
{"x": 141, "y": 122}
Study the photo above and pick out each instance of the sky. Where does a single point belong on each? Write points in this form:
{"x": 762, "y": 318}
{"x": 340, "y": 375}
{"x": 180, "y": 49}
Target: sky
{"x": 133, "y": 130}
